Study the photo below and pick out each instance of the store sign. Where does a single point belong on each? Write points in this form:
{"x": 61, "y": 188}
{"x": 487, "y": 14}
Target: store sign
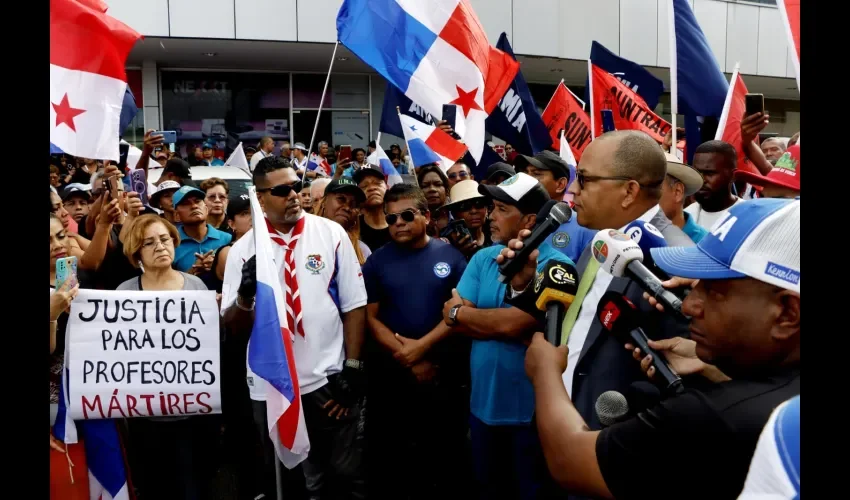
{"x": 194, "y": 87}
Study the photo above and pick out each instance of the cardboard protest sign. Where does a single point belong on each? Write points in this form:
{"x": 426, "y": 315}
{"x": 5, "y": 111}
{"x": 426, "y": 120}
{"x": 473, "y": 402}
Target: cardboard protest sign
{"x": 566, "y": 112}
{"x": 630, "y": 110}
{"x": 143, "y": 354}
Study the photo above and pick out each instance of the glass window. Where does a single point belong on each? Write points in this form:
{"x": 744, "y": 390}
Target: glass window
{"x": 344, "y": 91}
{"x": 224, "y": 108}
{"x": 337, "y": 128}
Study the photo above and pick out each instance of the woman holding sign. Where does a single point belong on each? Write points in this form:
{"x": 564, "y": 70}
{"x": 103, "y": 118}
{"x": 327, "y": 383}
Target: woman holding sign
{"x": 168, "y": 455}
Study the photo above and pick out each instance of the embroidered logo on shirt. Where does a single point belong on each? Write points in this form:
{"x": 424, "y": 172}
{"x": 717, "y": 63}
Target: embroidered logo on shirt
{"x": 560, "y": 239}
{"x": 315, "y": 263}
{"x": 442, "y": 269}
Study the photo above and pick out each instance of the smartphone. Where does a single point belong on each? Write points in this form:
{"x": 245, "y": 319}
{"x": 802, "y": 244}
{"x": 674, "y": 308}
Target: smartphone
{"x": 754, "y": 103}
{"x": 66, "y": 270}
{"x": 608, "y": 121}
{"x": 458, "y": 227}
{"x": 168, "y": 136}
{"x": 450, "y": 116}
{"x": 139, "y": 184}
{"x": 344, "y": 153}
{"x": 123, "y": 151}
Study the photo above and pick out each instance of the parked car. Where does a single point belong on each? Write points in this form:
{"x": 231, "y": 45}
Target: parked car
{"x": 236, "y": 178}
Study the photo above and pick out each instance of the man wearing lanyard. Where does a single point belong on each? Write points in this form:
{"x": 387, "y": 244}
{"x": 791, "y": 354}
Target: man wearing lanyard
{"x": 329, "y": 328}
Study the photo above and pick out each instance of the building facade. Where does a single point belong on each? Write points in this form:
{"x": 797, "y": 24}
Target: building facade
{"x": 235, "y": 70}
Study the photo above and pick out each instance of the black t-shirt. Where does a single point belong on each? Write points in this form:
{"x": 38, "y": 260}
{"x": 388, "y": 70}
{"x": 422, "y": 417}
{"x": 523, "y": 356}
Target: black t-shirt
{"x": 697, "y": 445}
{"x": 373, "y": 238}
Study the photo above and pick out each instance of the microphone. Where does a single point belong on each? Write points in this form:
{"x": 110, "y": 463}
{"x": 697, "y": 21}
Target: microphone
{"x": 647, "y": 237}
{"x": 611, "y": 407}
{"x": 619, "y": 255}
{"x": 555, "y": 287}
{"x": 620, "y": 317}
{"x": 553, "y": 214}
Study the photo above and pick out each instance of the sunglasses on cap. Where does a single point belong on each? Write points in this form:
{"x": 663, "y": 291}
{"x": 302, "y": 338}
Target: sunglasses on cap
{"x": 283, "y": 190}
{"x": 406, "y": 215}
{"x": 479, "y": 203}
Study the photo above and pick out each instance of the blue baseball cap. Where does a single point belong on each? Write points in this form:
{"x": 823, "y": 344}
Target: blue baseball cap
{"x": 758, "y": 238}
{"x": 184, "y": 191}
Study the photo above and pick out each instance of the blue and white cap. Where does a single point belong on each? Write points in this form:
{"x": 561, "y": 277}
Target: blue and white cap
{"x": 757, "y": 238}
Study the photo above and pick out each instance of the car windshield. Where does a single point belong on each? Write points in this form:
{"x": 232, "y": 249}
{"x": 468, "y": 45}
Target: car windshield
{"x": 238, "y": 186}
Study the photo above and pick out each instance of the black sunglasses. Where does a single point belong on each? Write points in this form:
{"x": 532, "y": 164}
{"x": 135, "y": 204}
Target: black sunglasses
{"x": 406, "y": 215}
{"x": 463, "y": 174}
{"x": 479, "y": 203}
{"x": 582, "y": 179}
{"x": 283, "y": 190}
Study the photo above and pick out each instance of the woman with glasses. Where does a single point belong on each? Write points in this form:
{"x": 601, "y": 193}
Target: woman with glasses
{"x": 168, "y": 455}
{"x": 468, "y": 232}
{"x": 435, "y": 185}
{"x": 217, "y": 192}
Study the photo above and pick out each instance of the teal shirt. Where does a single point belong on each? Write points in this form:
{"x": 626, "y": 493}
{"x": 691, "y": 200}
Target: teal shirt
{"x": 184, "y": 255}
{"x": 694, "y": 231}
{"x": 501, "y": 392}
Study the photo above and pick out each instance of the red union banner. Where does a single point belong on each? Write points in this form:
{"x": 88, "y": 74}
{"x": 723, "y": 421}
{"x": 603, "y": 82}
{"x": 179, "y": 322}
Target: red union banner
{"x": 629, "y": 109}
{"x": 565, "y": 112}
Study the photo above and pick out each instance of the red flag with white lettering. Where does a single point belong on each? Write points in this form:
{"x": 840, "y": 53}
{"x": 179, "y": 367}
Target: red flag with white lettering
{"x": 566, "y": 112}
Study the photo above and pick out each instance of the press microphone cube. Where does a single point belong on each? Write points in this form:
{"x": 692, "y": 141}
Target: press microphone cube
{"x": 557, "y": 282}
{"x": 614, "y": 250}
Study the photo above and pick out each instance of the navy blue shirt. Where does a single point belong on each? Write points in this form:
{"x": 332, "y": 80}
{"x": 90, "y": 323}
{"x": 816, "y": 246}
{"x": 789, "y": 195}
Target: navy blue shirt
{"x": 570, "y": 239}
{"x": 411, "y": 286}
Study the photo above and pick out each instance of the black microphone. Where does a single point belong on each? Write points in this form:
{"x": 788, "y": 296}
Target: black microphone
{"x": 555, "y": 288}
{"x": 620, "y": 317}
{"x": 611, "y": 407}
{"x": 551, "y": 216}
{"x": 620, "y": 256}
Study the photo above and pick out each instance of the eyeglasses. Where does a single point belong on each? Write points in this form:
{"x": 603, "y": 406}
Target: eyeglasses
{"x": 479, "y": 203}
{"x": 216, "y": 196}
{"x": 582, "y": 179}
{"x": 166, "y": 242}
{"x": 463, "y": 174}
{"x": 406, "y": 215}
{"x": 282, "y": 190}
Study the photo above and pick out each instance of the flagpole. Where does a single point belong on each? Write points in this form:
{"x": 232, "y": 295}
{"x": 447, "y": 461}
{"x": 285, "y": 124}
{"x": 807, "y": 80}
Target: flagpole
{"x": 724, "y": 115}
{"x": 553, "y": 93}
{"x": 576, "y": 97}
{"x": 590, "y": 87}
{"x": 674, "y": 83}
{"x": 319, "y": 113}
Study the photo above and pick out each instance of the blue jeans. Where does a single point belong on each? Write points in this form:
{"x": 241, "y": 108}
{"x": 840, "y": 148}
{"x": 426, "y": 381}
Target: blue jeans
{"x": 508, "y": 461}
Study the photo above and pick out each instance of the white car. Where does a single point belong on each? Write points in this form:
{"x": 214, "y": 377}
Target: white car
{"x": 237, "y": 179}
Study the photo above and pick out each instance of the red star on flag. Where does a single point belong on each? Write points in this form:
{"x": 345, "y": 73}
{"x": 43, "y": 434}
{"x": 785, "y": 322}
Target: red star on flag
{"x": 65, "y": 113}
{"x": 466, "y": 100}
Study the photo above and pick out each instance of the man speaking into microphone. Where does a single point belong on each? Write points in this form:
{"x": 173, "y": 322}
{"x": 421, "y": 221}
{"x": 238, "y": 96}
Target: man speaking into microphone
{"x": 745, "y": 324}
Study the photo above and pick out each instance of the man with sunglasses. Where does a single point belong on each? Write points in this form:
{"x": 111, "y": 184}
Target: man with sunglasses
{"x": 458, "y": 172}
{"x": 328, "y": 317}
{"x": 506, "y": 454}
{"x": 618, "y": 181}
{"x": 418, "y": 373}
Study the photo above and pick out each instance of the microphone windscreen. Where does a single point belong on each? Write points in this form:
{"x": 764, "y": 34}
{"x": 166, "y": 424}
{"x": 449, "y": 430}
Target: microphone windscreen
{"x": 611, "y": 407}
{"x": 561, "y": 212}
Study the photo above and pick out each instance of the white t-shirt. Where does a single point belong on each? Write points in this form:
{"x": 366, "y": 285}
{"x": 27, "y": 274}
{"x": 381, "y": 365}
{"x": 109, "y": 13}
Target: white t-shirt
{"x": 588, "y": 312}
{"x": 330, "y": 282}
{"x": 707, "y": 219}
{"x": 259, "y": 155}
{"x": 775, "y": 469}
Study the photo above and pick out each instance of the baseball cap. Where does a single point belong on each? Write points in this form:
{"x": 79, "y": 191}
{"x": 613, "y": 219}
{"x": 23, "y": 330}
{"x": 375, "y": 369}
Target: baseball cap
{"x": 688, "y": 176}
{"x": 544, "y": 160}
{"x": 372, "y": 170}
{"x": 522, "y": 190}
{"x": 238, "y": 204}
{"x": 208, "y": 145}
{"x": 786, "y": 172}
{"x": 163, "y": 187}
{"x": 185, "y": 191}
{"x": 76, "y": 188}
{"x": 345, "y": 185}
{"x": 301, "y": 146}
{"x": 500, "y": 167}
{"x": 178, "y": 167}
{"x": 757, "y": 238}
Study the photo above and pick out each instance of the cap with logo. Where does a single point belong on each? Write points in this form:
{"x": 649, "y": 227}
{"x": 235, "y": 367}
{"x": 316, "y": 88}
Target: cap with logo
{"x": 462, "y": 191}
{"x": 165, "y": 186}
{"x": 522, "y": 191}
{"x": 185, "y": 191}
{"x": 76, "y": 189}
{"x": 237, "y": 204}
{"x": 786, "y": 172}
{"x": 346, "y": 185}
{"x": 544, "y": 160}
{"x": 178, "y": 167}
{"x": 500, "y": 167}
{"x": 301, "y": 146}
{"x": 757, "y": 238}
{"x": 688, "y": 176}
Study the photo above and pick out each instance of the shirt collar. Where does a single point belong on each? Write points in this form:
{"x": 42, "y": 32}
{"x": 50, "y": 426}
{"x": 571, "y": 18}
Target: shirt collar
{"x": 212, "y": 233}
{"x": 287, "y": 235}
{"x": 646, "y": 217}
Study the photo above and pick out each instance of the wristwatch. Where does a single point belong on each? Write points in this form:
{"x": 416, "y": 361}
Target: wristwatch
{"x": 354, "y": 363}
{"x": 453, "y": 314}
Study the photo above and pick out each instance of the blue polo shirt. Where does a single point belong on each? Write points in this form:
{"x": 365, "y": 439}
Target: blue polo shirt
{"x": 184, "y": 255}
{"x": 570, "y": 239}
{"x": 501, "y": 392}
{"x": 694, "y": 231}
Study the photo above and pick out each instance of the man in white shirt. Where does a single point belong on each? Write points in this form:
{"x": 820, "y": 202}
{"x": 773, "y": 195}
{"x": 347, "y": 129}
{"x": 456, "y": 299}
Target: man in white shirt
{"x": 716, "y": 161}
{"x": 265, "y": 150}
{"x": 618, "y": 181}
{"x": 329, "y": 328}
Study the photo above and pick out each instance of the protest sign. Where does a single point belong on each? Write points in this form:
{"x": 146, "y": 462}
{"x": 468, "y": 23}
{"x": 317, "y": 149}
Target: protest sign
{"x": 143, "y": 354}
{"x": 564, "y": 111}
{"x": 630, "y": 110}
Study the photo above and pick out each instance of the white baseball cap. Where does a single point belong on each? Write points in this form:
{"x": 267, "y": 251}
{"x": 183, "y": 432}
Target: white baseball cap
{"x": 521, "y": 190}
{"x": 757, "y": 238}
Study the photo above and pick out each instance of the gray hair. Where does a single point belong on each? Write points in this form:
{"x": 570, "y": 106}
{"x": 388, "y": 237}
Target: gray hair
{"x": 319, "y": 185}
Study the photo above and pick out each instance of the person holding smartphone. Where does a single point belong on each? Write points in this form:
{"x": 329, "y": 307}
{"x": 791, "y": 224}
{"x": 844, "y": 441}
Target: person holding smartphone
{"x": 469, "y": 208}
